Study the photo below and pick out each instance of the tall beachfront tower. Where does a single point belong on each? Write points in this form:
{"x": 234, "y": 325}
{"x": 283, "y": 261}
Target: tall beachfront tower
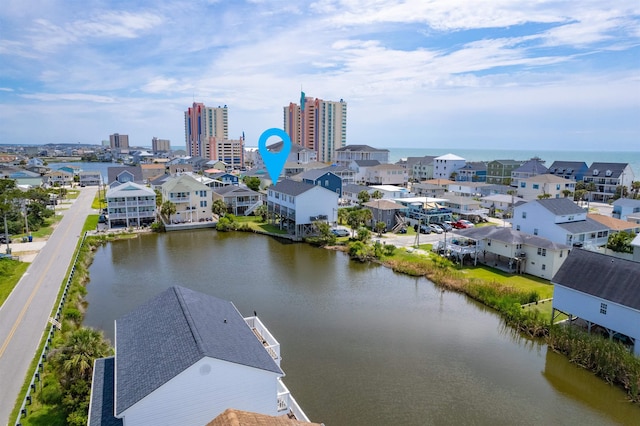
{"x": 202, "y": 126}
{"x": 317, "y": 125}
{"x": 118, "y": 141}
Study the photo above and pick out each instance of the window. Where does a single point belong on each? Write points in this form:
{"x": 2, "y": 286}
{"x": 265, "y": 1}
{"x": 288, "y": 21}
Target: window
{"x": 524, "y": 215}
{"x": 544, "y": 267}
{"x": 542, "y": 252}
{"x": 523, "y": 184}
{"x": 517, "y": 227}
{"x": 535, "y": 231}
{"x": 560, "y": 253}
{"x": 536, "y": 186}
{"x": 488, "y": 242}
{"x": 603, "y": 308}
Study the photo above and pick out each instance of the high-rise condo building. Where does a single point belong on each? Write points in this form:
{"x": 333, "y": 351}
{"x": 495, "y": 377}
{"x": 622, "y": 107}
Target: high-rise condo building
{"x": 117, "y": 141}
{"x": 202, "y": 125}
{"x": 317, "y": 125}
{"x": 160, "y": 145}
{"x": 229, "y": 151}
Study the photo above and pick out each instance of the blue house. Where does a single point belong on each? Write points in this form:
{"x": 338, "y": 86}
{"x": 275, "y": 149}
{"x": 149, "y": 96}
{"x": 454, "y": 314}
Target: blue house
{"x": 574, "y": 170}
{"x": 323, "y": 178}
{"x": 224, "y": 179}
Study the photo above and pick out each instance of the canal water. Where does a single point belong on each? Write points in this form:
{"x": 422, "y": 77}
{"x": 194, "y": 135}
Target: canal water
{"x": 361, "y": 345}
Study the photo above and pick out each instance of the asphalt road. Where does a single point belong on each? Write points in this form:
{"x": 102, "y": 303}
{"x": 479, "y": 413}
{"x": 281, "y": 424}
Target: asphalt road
{"x": 25, "y": 314}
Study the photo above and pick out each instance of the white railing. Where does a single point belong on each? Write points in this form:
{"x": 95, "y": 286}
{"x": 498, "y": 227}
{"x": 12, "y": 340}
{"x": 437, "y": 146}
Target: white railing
{"x": 263, "y": 334}
{"x": 286, "y": 402}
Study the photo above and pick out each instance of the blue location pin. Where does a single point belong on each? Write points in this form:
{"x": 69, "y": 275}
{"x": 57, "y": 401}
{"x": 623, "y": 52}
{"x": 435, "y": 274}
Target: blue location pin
{"x": 274, "y": 160}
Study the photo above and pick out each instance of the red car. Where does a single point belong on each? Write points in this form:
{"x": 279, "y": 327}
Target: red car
{"x": 463, "y": 224}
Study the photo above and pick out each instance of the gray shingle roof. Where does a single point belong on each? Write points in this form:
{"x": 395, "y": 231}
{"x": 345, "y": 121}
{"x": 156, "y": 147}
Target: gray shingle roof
{"x": 102, "y": 386}
{"x": 367, "y": 163}
{"x": 292, "y": 187}
{"x": 314, "y": 174}
{"x": 582, "y": 226}
{"x": 532, "y": 166}
{"x": 169, "y": 333}
{"x": 599, "y": 275}
{"x": 239, "y": 190}
{"x": 602, "y": 168}
{"x": 510, "y": 236}
{"x": 114, "y": 172}
{"x": 560, "y": 206}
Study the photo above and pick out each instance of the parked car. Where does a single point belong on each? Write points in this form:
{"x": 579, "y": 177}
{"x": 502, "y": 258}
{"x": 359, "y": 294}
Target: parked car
{"x": 446, "y": 226}
{"x": 463, "y": 224}
{"x": 3, "y": 239}
{"x": 424, "y": 229}
{"x": 340, "y": 232}
{"x": 435, "y": 228}
{"x": 402, "y": 231}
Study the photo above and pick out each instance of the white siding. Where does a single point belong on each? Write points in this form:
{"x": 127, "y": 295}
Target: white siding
{"x": 619, "y": 318}
{"x": 203, "y": 391}
{"x": 315, "y": 202}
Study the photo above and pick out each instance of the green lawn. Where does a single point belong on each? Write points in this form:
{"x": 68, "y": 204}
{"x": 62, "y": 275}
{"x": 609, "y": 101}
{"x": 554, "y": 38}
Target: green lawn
{"x": 10, "y": 273}
{"x": 524, "y": 282}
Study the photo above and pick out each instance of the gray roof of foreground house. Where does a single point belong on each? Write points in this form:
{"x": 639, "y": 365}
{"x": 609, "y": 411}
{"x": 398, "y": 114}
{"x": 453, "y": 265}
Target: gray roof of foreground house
{"x": 114, "y": 172}
{"x": 610, "y": 278}
{"x": 367, "y": 163}
{"x": 237, "y": 190}
{"x": 616, "y": 170}
{"x": 102, "y": 387}
{"x": 292, "y": 187}
{"x": 314, "y": 174}
{"x": 532, "y": 166}
{"x": 560, "y": 206}
{"x": 510, "y": 236}
{"x": 169, "y": 333}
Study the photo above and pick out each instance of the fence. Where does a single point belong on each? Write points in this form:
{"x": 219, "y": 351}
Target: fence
{"x": 55, "y": 323}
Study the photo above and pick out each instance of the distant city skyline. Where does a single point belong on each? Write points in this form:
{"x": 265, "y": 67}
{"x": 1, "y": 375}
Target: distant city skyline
{"x": 537, "y": 75}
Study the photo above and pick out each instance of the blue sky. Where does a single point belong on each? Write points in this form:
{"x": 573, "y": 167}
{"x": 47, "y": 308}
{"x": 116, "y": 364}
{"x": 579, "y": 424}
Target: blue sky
{"x": 415, "y": 73}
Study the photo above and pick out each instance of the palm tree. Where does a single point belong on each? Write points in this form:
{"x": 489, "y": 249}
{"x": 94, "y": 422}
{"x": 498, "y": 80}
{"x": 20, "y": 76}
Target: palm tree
{"x": 342, "y": 215}
{"x": 81, "y": 349}
{"x": 366, "y": 216}
{"x": 635, "y": 187}
{"x": 363, "y": 197}
{"x": 566, "y": 193}
{"x": 167, "y": 209}
{"x": 376, "y": 195}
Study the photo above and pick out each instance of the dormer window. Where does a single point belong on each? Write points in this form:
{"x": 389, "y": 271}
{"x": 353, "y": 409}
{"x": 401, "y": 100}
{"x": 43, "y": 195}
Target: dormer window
{"x": 608, "y": 173}
{"x": 596, "y": 172}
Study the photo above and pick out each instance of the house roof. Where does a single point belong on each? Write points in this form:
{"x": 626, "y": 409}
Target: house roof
{"x": 183, "y": 182}
{"x": 237, "y": 190}
{"x": 314, "y": 174}
{"x": 114, "y": 172}
{"x": 583, "y": 226}
{"x": 510, "y": 236}
{"x": 626, "y": 202}
{"x": 292, "y": 187}
{"x": 475, "y": 165}
{"x": 532, "y": 166}
{"x": 367, "y": 163}
{"x": 364, "y": 148}
{"x": 130, "y": 189}
{"x": 233, "y": 417}
{"x": 560, "y": 206}
{"x": 355, "y": 188}
{"x": 602, "y": 169}
{"x": 613, "y": 223}
{"x": 169, "y": 333}
{"x": 449, "y": 156}
{"x": 548, "y": 178}
{"x": 387, "y": 167}
{"x": 500, "y": 198}
{"x": 569, "y": 167}
{"x": 512, "y": 163}
{"x": 383, "y": 205}
{"x": 602, "y": 276}
{"x": 102, "y": 394}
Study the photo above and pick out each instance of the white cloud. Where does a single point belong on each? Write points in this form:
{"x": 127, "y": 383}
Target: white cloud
{"x": 47, "y": 97}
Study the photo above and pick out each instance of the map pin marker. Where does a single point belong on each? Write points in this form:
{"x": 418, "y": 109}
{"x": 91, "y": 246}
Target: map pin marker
{"x": 274, "y": 160}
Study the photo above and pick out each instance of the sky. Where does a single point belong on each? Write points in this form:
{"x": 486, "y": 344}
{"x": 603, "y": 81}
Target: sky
{"x": 495, "y": 74}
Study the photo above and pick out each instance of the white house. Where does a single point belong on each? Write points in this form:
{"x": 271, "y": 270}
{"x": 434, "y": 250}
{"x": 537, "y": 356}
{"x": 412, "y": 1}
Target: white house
{"x": 386, "y": 174}
{"x": 390, "y": 192}
{"x": 445, "y": 165}
{"x": 518, "y": 251}
{"x": 57, "y": 178}
{"x": 192, "y": 199}
{"x": 602, "y": 291}
{"x": 183, "y": 358}
{"x": 544, "y": 184}
{"x": 502, "y": 202}
{"x": 130, "y": 204}
{"x": 559, "y": 220}
{"x": 468, "y": 188}
{"x": 607, "y": 177}
{"x": 464, "y": 206}
{"x": 240, "y": 200}
{"x": 345, "y": 155}
{"x": 360, "y": 168}
{"x": 90, "y": 178}
{"x": 296, "y": 205}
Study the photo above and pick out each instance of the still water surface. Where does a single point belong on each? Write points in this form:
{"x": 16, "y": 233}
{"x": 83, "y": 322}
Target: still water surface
{"x": 361, "y": 345}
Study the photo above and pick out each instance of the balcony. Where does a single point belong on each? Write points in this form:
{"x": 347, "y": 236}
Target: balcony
{"x": 269, "y": 342}
{"x": 287, "y": 403}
